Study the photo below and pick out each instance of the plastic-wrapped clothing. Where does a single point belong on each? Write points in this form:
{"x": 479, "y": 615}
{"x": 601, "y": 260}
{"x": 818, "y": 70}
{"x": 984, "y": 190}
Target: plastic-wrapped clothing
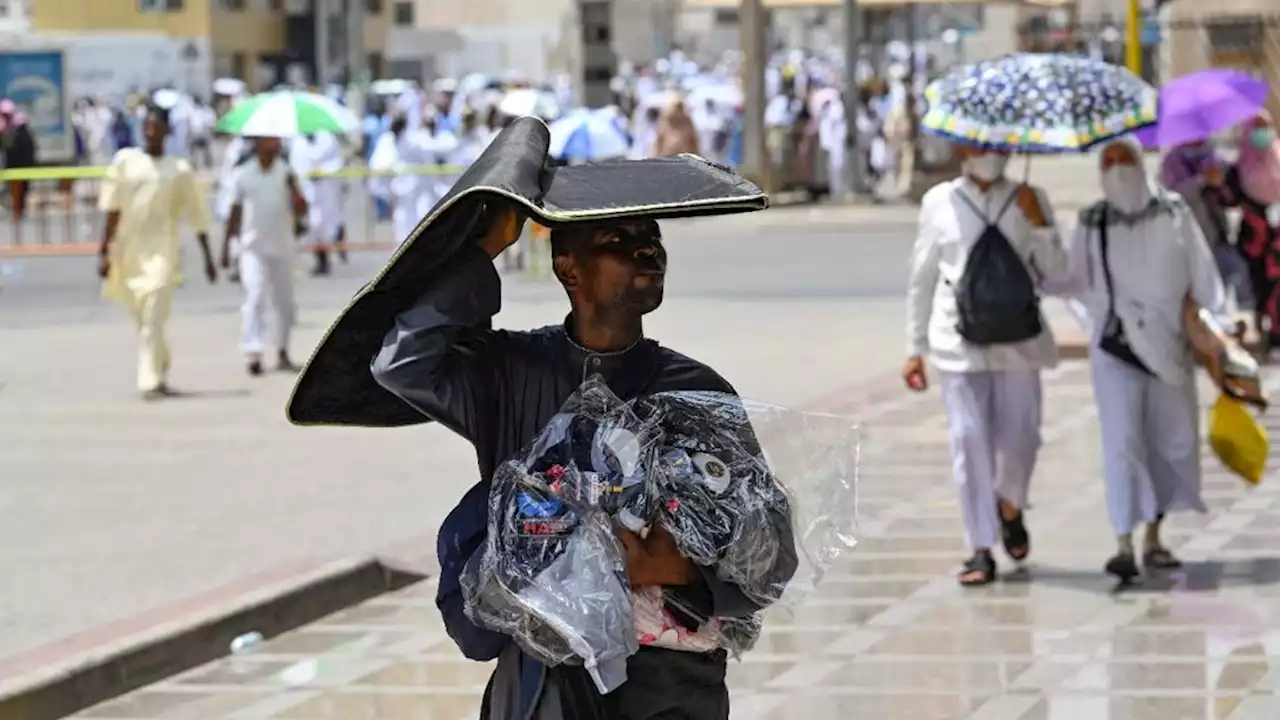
{"x": 553, "y": 576}
{"x": 498, "y": 389}
{"x": 718, "y": 497}
{"x": 558, "y": 579}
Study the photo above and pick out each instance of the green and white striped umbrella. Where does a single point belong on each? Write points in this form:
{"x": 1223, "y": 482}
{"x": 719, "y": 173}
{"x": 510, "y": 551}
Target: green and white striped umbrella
{"x": 287, "y": 114}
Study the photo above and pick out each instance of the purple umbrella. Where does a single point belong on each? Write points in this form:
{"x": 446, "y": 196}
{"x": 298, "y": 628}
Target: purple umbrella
{"x": 1195, "y": 107}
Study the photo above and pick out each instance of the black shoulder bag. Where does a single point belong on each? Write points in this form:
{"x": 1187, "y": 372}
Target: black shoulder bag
{"x": 1113, "y": 340}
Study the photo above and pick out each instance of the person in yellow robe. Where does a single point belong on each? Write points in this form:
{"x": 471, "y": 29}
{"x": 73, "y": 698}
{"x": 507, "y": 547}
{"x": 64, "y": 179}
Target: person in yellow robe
{"x": 145, "y": 195}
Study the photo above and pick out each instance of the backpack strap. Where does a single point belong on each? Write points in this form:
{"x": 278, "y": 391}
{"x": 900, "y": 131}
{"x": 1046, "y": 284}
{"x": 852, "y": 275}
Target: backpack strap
{"x": 981, "y": 213}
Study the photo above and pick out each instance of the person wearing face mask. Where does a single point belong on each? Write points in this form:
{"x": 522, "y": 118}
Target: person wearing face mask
{"x": 1186, "y": 170}
{"x": 990, "y": 380}
{"x": 1253, "y": 186}
{"x": 1136, "y": 256}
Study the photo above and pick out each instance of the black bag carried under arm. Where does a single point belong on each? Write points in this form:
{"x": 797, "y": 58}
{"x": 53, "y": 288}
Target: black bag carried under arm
{"x": 996, "y": 298}
{"x": 1113, "y": 340}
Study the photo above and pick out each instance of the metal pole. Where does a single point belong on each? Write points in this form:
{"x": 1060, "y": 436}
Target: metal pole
{"x": 356, "y": 61}
{"x": 852, "y": 102}
{"x": 1133, "y": 38}
{"x": 756, "y": 164}
{"x": 323, "y": 45}
{"x": 357, "y": 73}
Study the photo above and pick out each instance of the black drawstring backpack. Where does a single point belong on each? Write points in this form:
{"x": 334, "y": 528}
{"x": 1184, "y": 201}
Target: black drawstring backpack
{"x": 996, "y": 297}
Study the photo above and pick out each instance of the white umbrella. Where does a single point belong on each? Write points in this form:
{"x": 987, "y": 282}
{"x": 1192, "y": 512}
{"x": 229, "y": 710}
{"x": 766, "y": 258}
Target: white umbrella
{"x": 723, "y": 95}
{"x": 167, "y": 98}
{"x": 389, "y": 87}
{"x": 527, "y": 101}
{"x": 821, "y": 97}
{"x": 229, "y": 86}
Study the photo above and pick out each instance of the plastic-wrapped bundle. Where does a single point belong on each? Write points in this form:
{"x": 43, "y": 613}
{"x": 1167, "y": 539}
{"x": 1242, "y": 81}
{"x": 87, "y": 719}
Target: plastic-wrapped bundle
{"x": 551, "y": 572}
{"x": 731, "y": 508}
{"x": 721, "y": 503}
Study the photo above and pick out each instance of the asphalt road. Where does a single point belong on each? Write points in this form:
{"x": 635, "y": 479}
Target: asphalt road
{"x": 111, "y": 507}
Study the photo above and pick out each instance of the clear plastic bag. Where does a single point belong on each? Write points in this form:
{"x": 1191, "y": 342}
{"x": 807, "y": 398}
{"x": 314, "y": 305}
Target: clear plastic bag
{"x": 763, "y": 494}
{"x": 767, "y": 519}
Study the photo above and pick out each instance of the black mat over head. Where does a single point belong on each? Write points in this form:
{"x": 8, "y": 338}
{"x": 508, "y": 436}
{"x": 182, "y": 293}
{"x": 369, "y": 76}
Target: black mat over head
{"x": 337, "y": 388}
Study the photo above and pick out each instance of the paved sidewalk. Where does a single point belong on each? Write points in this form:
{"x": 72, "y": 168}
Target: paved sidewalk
{"x": 889, "y": 636}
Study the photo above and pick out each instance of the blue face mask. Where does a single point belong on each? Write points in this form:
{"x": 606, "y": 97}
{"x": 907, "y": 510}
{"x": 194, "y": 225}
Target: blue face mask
{"x": 1262, "y": 138}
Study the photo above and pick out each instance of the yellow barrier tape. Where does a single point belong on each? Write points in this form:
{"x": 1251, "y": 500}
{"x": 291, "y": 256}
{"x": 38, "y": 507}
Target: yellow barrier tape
{"x": 93, "y": 173}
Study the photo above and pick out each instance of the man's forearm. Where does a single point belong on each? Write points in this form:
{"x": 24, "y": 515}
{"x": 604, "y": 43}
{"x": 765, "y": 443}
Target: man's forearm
{"x": 109, "y": 232}
{"x": 232, "y": 229}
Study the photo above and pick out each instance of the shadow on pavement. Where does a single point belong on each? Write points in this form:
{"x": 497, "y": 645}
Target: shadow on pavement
{"x": 1193, "y": 577}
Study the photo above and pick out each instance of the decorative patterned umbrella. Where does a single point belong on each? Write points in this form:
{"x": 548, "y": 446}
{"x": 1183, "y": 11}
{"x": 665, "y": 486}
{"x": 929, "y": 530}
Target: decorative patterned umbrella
{"x": 1039, "y": 103}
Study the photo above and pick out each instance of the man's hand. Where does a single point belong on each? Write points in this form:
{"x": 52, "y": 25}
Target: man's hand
{"x": 655, "y": 560}
{"x": 1029, "y": 204}
{"x": 504, "y": 230}
{"x": 104, "y": 264}
{"x": 224, "y": 258}
{"x": 913, "y": 374}
{"x": 210, "y": 270}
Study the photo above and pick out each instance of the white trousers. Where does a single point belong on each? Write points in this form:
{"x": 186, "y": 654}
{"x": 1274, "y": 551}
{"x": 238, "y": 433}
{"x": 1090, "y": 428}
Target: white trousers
{"x": 835, "y": 171}
{"x": 994, "y": 419}
{"x": 266, "y": 278}
{"x": 408, "y": 210}
{"x": 326, "y": 211}
{"x": 1150, "y": 443}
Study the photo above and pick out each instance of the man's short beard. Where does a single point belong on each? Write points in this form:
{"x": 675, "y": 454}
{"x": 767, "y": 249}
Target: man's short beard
{"x": 640, "y": 301}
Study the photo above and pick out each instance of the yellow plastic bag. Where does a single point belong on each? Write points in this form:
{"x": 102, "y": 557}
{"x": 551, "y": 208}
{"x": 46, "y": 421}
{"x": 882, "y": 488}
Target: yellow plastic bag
{"x": 1238, "y": 440}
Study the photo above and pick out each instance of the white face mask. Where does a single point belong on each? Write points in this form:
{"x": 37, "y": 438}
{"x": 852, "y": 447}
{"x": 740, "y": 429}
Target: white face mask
{"x": 1125, "y": 188}
{"x": 988, "y": 168}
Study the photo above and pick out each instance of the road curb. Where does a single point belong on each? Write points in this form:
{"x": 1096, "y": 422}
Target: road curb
{"x": 92, "y": 667}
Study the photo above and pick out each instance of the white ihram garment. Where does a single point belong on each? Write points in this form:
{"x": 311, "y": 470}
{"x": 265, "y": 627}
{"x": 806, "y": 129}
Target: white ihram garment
{"x": 992, "y": 394}
{"x": 268, "y": 252}
{"x": 1149, "y": 421}
{"x": 410, "y": 193}
{"x": 321, "y": 153}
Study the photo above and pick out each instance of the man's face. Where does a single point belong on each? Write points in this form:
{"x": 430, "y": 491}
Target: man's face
{"x": 622, "y": 268}
{"x": 154, "y": 130}
{"x": 267, "y": 147}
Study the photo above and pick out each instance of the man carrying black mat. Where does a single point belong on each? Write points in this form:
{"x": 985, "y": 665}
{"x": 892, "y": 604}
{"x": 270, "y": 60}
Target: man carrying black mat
{"x": 499, "y": 388}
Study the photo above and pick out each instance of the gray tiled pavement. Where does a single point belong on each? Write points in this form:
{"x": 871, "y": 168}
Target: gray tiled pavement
{"x": 889, "y": 636}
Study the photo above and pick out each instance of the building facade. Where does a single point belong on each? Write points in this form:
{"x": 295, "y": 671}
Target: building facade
{"x": 1242, "y": 34}
{"x": 953, "y": 32}
{"x": 262, "y": 42}
{"x": 537, "y": 40}
{"x": 447, "y": 38}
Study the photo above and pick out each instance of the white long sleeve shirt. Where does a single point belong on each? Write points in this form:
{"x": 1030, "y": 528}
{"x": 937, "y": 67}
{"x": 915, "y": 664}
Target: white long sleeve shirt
{"x": 948, "y": 229}
{"x": 1155, "y": 263}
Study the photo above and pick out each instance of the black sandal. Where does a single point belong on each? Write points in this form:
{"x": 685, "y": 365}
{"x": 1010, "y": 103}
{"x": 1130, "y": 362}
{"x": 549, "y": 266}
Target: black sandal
{"x": 1014, "y": 535}
{"x": 1123, "y": 568}
{"x": 1160, "y": 559}
{"x": 978, "y": 570}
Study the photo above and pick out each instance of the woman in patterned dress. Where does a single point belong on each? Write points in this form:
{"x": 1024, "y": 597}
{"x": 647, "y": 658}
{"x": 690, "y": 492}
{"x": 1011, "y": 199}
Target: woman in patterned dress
{"x": 1253, "y": 185}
